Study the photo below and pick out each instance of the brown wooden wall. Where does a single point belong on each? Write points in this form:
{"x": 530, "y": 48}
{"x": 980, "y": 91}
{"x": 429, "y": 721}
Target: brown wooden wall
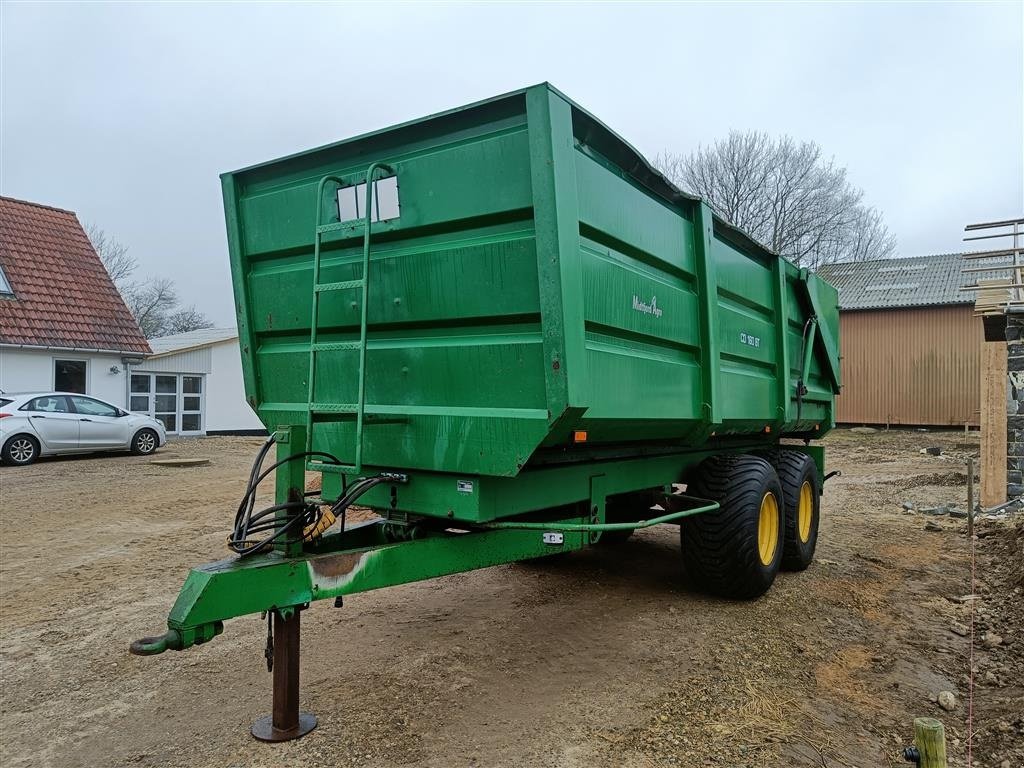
{"x": 910, "y": 366}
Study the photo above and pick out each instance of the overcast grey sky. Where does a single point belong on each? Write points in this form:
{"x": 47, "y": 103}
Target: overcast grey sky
{"x": 126, "y": 113}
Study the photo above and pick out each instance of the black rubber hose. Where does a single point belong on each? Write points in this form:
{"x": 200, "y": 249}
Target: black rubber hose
{"x": 249, "y": 523}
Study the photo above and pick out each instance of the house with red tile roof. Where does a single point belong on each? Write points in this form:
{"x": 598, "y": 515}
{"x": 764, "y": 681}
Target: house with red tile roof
{"x": 63, "y": 324}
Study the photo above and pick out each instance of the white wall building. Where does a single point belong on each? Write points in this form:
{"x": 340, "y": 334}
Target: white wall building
{"x": 38, "y": 369}
{"x": 193, "y": 384}
{"x": 63, "y": 325}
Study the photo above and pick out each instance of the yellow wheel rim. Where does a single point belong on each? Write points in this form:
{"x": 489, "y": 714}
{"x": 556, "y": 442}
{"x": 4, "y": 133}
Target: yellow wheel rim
{"x": 805, "y": 511}
{"x": 768, "y": 528}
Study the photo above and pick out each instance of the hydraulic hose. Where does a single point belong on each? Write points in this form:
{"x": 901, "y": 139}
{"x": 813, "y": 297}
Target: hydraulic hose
{"x": 311, "y": 519}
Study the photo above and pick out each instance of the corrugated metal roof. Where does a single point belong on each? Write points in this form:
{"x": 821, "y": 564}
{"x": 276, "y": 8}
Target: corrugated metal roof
{"x": 915, "y": 281}
{"x": 205, "y": 337}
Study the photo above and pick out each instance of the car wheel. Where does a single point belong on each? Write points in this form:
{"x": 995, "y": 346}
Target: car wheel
{"x": 144, "y": 442}
{"x": 20, "y": 450}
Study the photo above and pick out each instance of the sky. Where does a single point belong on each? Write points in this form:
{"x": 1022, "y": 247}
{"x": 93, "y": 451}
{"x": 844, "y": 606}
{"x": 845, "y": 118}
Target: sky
{"x": 126, "y": 113}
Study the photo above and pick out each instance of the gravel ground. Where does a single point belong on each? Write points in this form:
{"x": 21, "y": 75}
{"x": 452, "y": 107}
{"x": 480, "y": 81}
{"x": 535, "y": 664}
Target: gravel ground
{"x": 602, "y": 658}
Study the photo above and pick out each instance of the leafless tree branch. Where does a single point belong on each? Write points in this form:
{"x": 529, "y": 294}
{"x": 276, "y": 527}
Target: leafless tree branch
{"x": 154, "y": 301}
{"x": 119, "y": 263}
{"x": 784, "y": 194}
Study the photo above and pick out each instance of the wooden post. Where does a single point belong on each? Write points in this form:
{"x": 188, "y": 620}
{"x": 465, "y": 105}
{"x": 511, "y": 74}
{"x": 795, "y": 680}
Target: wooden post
{"x": 993, "y": 423}
{"x": 970, "y": 497}
{"x": 930, "y": 738}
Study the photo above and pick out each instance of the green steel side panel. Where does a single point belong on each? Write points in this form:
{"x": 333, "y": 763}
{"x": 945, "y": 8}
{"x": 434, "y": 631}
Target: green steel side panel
{"x": 825, "y": 304}
{"x": 746, "y": 337}
{"x": 541, "y": 278}
{"x": 640, "y": 301}
{"x": 707, "y": 274}
{"x": 454, "y": 342}
{"x": 557, "y": 237}
{"x": 783, "y": 374}
{"x": 240, "y": 289}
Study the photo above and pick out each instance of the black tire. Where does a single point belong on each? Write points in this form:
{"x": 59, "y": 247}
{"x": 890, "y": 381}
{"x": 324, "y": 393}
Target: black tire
{"x": 797, "y": 472}
{"x": 145, "y": 442}
{"x": 722, "y": 550}
{"x": 20, "y": 450}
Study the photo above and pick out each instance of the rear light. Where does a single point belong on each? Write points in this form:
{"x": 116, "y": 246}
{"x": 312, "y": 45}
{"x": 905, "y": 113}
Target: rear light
{"x": 5, "y": 415}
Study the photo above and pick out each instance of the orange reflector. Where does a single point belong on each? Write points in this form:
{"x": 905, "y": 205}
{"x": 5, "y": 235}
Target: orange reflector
{"x": 767, "y": 430}
{"x": 817, "y": 427}
{"x": 579, "y": 436}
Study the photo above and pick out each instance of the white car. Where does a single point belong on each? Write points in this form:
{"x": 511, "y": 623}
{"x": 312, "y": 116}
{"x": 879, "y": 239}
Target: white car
{"x": 38, "y": 424}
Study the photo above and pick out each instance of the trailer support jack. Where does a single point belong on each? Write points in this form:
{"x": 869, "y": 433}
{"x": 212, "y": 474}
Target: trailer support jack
{"x": 285, "y": 721}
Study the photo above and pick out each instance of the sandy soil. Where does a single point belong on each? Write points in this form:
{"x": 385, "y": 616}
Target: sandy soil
{"x": 601, "y": 658}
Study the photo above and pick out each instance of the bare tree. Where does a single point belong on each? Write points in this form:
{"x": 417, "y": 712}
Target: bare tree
{"x": 784, "y": 194}
{"x": 151, "y": 302}
{"x": 187, "y": 319}
{"x": 119, "y": 263}
{"x": 154, "y": 301}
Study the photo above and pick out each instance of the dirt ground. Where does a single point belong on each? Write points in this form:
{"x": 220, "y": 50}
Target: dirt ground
{"x": 601, "y": 658}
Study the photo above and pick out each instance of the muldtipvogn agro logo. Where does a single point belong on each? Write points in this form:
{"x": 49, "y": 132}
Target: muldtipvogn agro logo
{"x": 648, "y": 309}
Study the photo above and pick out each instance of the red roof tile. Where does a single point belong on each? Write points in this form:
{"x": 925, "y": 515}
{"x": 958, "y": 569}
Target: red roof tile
{"x": 63, "y": 296}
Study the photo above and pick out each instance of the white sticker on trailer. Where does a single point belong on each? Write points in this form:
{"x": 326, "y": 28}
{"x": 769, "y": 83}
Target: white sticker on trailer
{"x": 464, "y": 486}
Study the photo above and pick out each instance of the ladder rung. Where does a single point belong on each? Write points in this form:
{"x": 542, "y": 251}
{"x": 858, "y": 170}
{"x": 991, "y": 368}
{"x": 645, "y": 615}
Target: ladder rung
{"x": 335, "y": 346}
{"x": 343, "y": 285}
{"x": 319, "y": 466}
{"x": 369, "y": 419}
{"x": 334, "y": 407}
{"x": 339, "y": 226}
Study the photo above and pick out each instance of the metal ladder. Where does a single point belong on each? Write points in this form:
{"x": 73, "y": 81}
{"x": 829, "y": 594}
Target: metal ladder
{"x": 358, "y": 408}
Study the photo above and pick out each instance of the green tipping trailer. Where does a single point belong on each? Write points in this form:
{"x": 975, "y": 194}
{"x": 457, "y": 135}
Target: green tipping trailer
{"x": 504, "y": 331}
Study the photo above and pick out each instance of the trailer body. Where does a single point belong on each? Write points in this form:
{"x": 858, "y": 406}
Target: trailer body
{"x": 538, "y": 297}
{"x": 507, "y": 333}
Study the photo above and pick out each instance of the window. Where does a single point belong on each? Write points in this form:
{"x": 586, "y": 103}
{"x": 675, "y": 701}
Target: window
{"x": 5, "y": 284}
{"x": 69, "y": 375}
{"x": 383, "y": 206}
{"x": 177, "y": 400}
{"x": 165, "y": 402}
{"x": 90, "y": 407}
{"x": 142, "y": 387}
{"x": 191, "y": 403}
{"x": 48, "y": 404}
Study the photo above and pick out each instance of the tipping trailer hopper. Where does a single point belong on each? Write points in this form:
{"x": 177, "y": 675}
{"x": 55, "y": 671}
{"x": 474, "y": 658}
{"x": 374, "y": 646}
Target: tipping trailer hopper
{"x": 509, "y": 335}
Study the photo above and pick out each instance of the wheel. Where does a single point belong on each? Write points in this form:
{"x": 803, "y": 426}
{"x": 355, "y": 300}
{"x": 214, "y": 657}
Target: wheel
{"x": 144, "y": 442}
{"x": 736, "y": 550}
{"x": 801, "y": 492}
{"x": 20, "y": 450}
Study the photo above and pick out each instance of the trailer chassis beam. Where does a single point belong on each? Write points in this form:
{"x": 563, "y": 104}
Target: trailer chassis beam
{"x": 362, "y": 558}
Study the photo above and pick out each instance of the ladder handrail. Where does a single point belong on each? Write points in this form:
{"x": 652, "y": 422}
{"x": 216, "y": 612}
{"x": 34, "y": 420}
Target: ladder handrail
{"x": 361, "y": 401}
{"x": 314, "y": 321}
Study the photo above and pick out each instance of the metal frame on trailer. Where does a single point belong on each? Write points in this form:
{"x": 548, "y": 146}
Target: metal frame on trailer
{"x": 387, "y": 552}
